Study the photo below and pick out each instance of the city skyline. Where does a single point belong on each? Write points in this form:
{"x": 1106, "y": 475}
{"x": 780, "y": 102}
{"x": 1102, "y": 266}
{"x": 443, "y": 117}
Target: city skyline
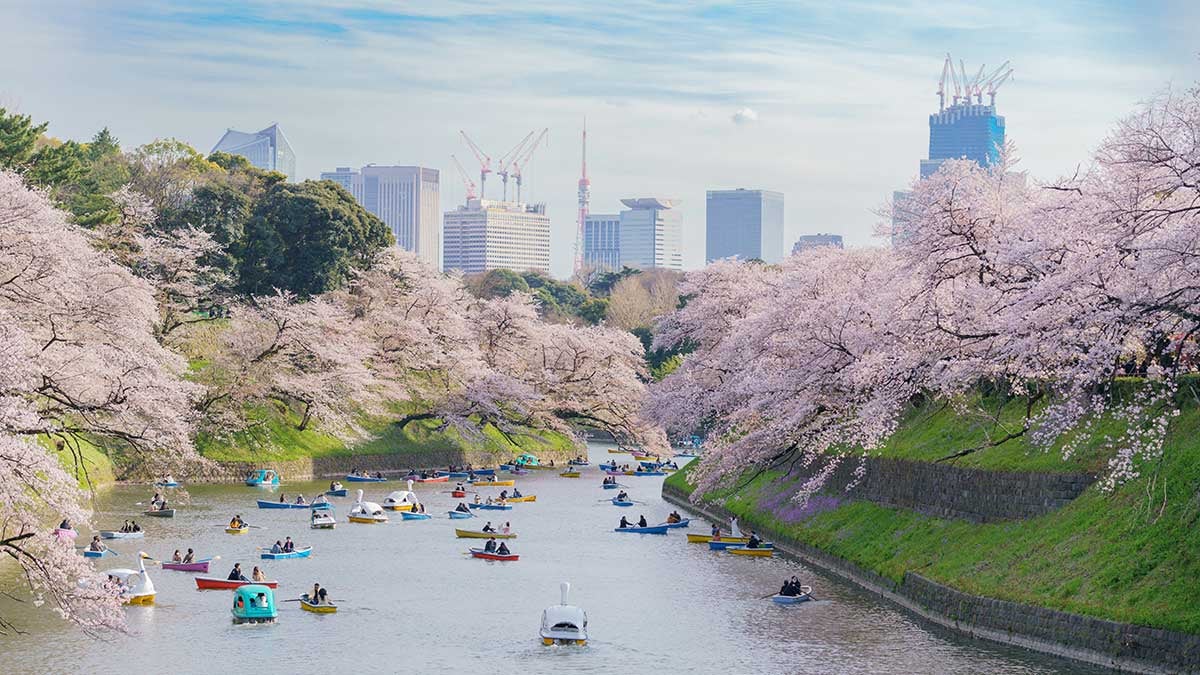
{"x": 829, "y": 108}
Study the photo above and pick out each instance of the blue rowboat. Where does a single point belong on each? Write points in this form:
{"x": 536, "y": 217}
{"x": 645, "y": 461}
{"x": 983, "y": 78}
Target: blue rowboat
{"x": 645, "y": 473}
{"x": 506, "y": 467}
{"x": 364, "y": 479}
{"x": 582, "y": 462}
{"x": 337, "y": 493}
{"x": 722, "y": 545}
{"x": 457, "y": 474}
{"x": 298, "y": 553}
{"x": 653, "y": 529}
{"x": 262, "y": 477}
{"x": 610, "y": 486}
{"x": 266, "y": 504}
{"x": 485, "y": 472}
{"x": 491, "y": 507}
{"x": 790, "y": 599}
{"x": 459, "y": 515}
{"x": 682, "y": 523}
{"x": 321, "y": 506}
{"x": 99, "y": 554}
{"x": 651, "y": 465}
{"x": 167, "y": 484}
{"x": 414, "y": 516}
{"x": 617, "y": 502}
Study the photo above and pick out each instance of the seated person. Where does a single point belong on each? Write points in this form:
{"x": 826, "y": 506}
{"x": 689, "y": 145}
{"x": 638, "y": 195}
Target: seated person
{"x": 236, "y": 573}
{"x": 488, "y": 527}
{"x": 517, "y": 493}
{"x": 624, "y": 523}
{"x": 96, "y": 545}
{"x": 178, "y": 558}
{"x": 462, "y": 508}
{"x": 490, "y": 546}
{"x": 190, "y": 557}
{"x": 64, "y": 525}
{"x": 502, "y": 549}
{"x": 642, "y": 522}
{"x": 754, "y": 540}
{"x": 300, "y": 499}
{"x": 278, "y": 547}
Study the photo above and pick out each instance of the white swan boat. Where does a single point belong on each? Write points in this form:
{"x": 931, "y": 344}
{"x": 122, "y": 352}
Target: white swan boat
{"x": 564, "y": 624}
{"x": 366, "y": 512}
{"x": 136, "y": 587}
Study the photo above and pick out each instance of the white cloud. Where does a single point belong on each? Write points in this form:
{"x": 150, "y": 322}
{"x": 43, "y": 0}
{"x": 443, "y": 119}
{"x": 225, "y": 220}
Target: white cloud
{"x": 744, "y": 116}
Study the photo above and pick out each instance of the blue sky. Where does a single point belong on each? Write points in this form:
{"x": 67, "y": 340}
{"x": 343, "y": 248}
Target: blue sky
{"x": 841, "y": 91}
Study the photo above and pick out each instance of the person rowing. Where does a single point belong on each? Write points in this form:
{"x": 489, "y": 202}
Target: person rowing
{"x": 674, "y": 517}
{"x": 278, "y": 547}
{"x": 642, "y": 522}
{"x": 96, "y": 545}
{"x": 288, "y": 545}
{"x": 236, "y": 523}
{"x": 314, "y": 598}
{"x": 622, "y": 496}
{"x": 754, "y": 541}
{"x": 516, "y": 494}
{"x": 488, "y": 527}
{"x": 478, "y": 499}
{"x": 490, "y": 546}
{"x": 134, "y": 527}
{"x": 320, "y": 500}
{"x": 503, "y": 495}
{"x": 624, "y": 523}
{"x": 190, "y": 557}
{"x": 791, "y": 588}
{"x": 462, "y": 508}
{"x": 300, "y": 499}
{"x": 236, "y": 573}
{"x": 502, "y": 549}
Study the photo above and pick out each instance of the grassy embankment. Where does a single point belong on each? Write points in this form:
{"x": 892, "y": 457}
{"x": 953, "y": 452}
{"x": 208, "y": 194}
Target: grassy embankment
{"x": 1132, "y": 555}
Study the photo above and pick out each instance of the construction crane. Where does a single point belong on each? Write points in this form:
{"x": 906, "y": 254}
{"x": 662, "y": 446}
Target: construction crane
{"x": 523, "y": 160}
{"x": 969, "y": 90}
{"x": 462, "y": 173}
{"x": 994, "y": 84}
{"x": 506, "y": 162}
{"x": 485, "y": 163}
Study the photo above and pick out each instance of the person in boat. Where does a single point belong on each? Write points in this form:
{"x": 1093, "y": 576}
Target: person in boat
{"x": 674, "y": 517}
{"x": 489, "y": 500}
{"x": 322, "y": 597}
{"x": 502, "y": 549}
{"x": 622, "y": 496}
{"x": 236, "y": 522}
{"x": 516, "y": 494}
{"x": 551, "y": 464}
{"x": 288, "y": 545}
{"x": 125, "y": 527}
{"x": 320, "y": 499}
{"x": 258, "y": 575}
{"x": 488, "y": 527}
{"x": 235, "y": 574}
{"x": 154, "y": 501}
{"x": 490, "y": 546}
{"x": 314, "y": 598}
{"x": 178, "y": 557}
{"x": 64, "y": 525}
{"x": 458, "y": 487}
{"x": 278, "y": 547}
{"x": 190, "y": 557}
{"x": 96, "y": 544}
{"x": 379, "y": 474}
{"x": 503, "y": 494}
{"x": 134, "y": 527}
{"x": 478, "y": 500}
{"x": 754, "y": 541}
{"x": 282, "y": 498}
{"x": 462, "y": 508}
{"x": 716, "y": 532}
{"x": 625, "y": 523}
{"x": 507, "y": 528}
{"x": 420, "y": 508}
{"x": 642, "y": 522}
{"x": 331, "y": 486}
{"x": 300, "y": 499}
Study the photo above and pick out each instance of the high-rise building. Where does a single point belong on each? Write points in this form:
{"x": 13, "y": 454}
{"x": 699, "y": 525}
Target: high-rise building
{"x": 486, "y": 235}
{"x": 602, "y": 241}
{"x": 745, "y": 223}
{"x": 651, "y": 233}
{"x": 966, "y": 129}
{"x": 810, "y": 241}
{"x": 406, "y": 198}
{"x": 267, "y": 149}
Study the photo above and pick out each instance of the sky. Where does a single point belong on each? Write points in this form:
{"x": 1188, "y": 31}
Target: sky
{"x": 825, "y": 102}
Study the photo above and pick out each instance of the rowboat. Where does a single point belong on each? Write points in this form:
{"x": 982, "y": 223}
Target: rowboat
{"x": 195, "y": 566}
{"x": 570, "y": 474}
{"x": 298, "y": 553}
{"x": 414, "y": 516}
{"x": 494, "y": 483}
{"x": 793, "y": 599}
{"x": 458, "y": 494}
{"x": 491, "y": 507}
{"x": 161, "y": 513}
{"x": 65, "y": 534}
{"x": 254, "y": 603}
{"x": 762, "y": 551}
{"x": 262, "y": 477}
{"x": 643, "y": 458}
{"x": 484, "y": 472}
{"x": 459, "y": 515}
{"x": 136, "y": 587}
{"x": 323, "y": 520}
{"x": 480, "y": 553}
{"x": 268, "y": 504}
{"x": 616, "y": 451}
{"x": 564, "y": 624}
{"x": 321, "y": 506}
{"x": 705, "y": 538}
{"x": 686, "y": 455}
{"x": 621, "y": 502}
{"x": 653, "y": 529}
{"x": 455, "y": 474}
{"x": 167, "y": 484}
{"x": 366, "y": 512}
{"x": 682, "y": 523}
{"x": 340, "y": 492}
{"x": 726, "y": 544}
{"x": 109, "y": 534}
{"x": 506, "y": 467}
{"x": 99, "y": 554}
{"x": 213, "y": 583}
{"x": 645, "y": 473}
{"x": 474, "y": 534}
{"x": 435, "y": 479}
{"x": 307, "y": 606}
{"x": 364, "y": 479}
{"x": 578, "y": 462}
{"x": 237, "y": 530}
{"x": 609, "y": 486}
{"x": 522, "y": 498}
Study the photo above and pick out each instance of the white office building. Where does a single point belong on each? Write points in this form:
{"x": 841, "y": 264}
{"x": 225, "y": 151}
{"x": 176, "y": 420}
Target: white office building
{"x": 406, "y": 198}
{"x": 651, "y": 233}
{"x": 485, "y": 235}
{"x": 602, "y": 241}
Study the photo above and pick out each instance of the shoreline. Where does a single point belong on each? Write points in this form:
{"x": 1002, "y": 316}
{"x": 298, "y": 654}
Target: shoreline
{"x": 1134, "y": 646}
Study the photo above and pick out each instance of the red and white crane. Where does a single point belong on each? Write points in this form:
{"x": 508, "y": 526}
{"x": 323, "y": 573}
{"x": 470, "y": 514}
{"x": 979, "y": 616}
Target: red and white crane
{"x": 522, "y": 160}
{"x": 506, "y": 162}
{"x": 965, "y": 88}
{"x": 462, "y": 173}
{"x": 485, "y": 163}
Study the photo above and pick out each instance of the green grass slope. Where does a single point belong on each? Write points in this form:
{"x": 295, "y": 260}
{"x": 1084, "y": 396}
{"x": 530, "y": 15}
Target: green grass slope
{"x": 1132, "y": 555}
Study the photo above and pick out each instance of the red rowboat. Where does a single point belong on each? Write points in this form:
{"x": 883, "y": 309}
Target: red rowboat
{"x": 197, "y": 566}
{"x": 439, "y": 479}
{"x": 480, "y": 553}
{"x": 458, "y": 494}
{"x": 208, "y": 583}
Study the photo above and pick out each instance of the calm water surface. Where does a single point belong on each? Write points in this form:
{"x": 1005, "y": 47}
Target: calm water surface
{"x": 409, "y": 600}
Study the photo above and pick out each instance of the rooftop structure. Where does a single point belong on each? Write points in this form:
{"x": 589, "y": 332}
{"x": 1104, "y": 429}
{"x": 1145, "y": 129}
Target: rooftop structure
{"x": 651, "y": 233}
{"x": 267, "y": 149}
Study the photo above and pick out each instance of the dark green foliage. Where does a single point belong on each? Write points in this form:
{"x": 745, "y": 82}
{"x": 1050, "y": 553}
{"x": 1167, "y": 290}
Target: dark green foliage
{"x": 500, "y": 284}
{"x": 602, "y": 284}
{"x": 222, "y": 210}
{"x": 558, "y": 300}
{"x": 103, "y": 144}
{"x": 18, "y": 139}
{"x": 662, "y": 362}
{"x": 58, "y": 166}
{"x": 307, "y": 238}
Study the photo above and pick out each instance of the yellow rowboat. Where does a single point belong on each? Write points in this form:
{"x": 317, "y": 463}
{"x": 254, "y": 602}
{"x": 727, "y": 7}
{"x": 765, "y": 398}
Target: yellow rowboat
{"x": 140, "y": 600}
{"x": 569, "y": 474}
{"x": 615, "y": 451}
{"x": 237, "y": 530}
{"x": 400, "y": 507}
{"x": 705, "y": 538}
{"x": 645, "y": 458}
{"x": 368, "y": 519}
{"x": 316, "y": 609}
{"x": 755, "y": 552}
{"x": 526, "y": 498}
{"x": 494, "y": 483}
{"x": 473, "y": 534}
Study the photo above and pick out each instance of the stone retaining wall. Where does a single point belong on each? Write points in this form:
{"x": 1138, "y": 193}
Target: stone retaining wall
{"x": 1121, "y": 647}
{"x": 947, "y": 491}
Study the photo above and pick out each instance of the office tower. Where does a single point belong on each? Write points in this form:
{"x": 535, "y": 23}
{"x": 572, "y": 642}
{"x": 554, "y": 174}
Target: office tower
{"x": 267, "y": 149}
{"x": 967, "y": 128}
{"x": 486, "y": 235}
{"x": 651, "y": 233}
{"x": 406, "y": 198}
{"x": 811, "y": 241}
{"x": 745, "y": 223}
{"x": 602, "y": 241}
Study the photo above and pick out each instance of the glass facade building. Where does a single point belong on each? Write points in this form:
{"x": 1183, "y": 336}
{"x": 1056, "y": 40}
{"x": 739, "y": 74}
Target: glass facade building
{"x": 651, "y": 234}
{"x": 744, "y": 223}
{"x": 602, "y": 241}
{"x": 406, "y": 198}
{"x": 964, "y": 131}
{"x": 267, "y": 149}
